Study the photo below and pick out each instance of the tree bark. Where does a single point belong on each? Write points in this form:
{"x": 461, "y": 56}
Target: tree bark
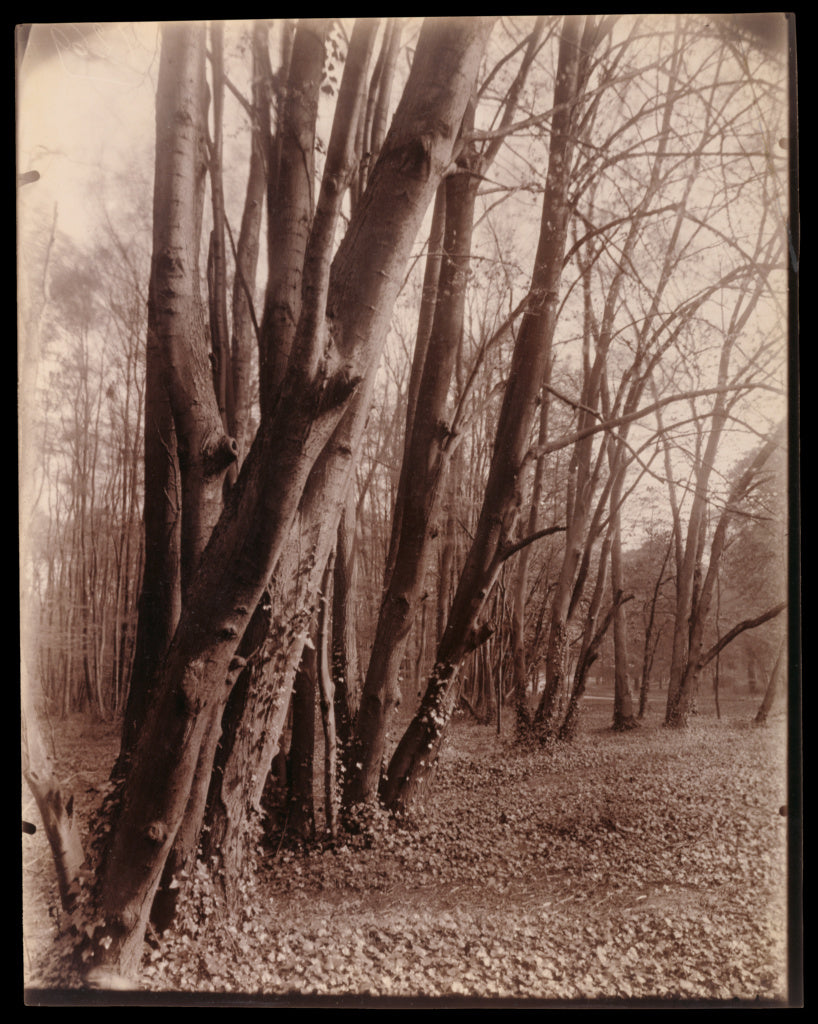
{"x": 326, "y": 693}
{"x": 520, "y": 587}
{"x": 651, "y": 637}
{"x": 682, "y": 691}
{"x": 54, "y": 802}
{"x": 412, "y": 763}
{"x": 345, "y": 664}
{"x": 773, "y": 685}
{"x": 623, "y": 716}
{"x": 290, "y": 207}
{"x": 245, "y": 334}
{"x": 425, "y": 462}
{"x": 205, "y": 451}
{"x": 331, "y": 355}
{"x": 301, "y": 805}
{"x": 426, "y": 453}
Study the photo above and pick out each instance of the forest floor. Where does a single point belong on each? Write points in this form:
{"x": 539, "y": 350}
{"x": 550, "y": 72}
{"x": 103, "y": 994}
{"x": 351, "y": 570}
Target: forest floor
{"x": 647, "y": 866}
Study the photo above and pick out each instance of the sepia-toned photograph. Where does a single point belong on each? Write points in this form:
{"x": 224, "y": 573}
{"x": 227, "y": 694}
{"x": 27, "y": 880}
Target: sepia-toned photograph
{"x": 408, "y": 521}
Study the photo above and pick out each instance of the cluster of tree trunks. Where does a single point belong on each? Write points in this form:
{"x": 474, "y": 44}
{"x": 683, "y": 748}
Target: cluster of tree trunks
{"x": 325, "y": 320}
{"x": 247, "y": 615}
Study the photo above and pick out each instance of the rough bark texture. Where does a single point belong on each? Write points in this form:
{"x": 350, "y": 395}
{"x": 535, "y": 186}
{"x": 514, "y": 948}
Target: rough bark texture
{"x": 257, "y": 710}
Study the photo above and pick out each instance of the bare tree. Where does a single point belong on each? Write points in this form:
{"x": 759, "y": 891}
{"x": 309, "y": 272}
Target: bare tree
{"x": 339, "y": 332}
{"x": 412, "y": 763}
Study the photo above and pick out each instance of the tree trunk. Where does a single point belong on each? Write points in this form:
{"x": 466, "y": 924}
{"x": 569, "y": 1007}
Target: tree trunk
{"x": 257, "y": 710}
{"x": 290, "y": 208}
{"x": 588, "y": 655}
{"x": 651, "y": 638}
{"x": 345, "y": 670}
{"x": 301, "y": 806}
{"x": 412, "y": 764}
{"x": 55, "y": 804}
{"x": 682, "y": 686}
{"x": 520, "y": 586}
{"x": 327, "y": 703}
{"x": 427, "y": 447}
{"x": 426, "y": 318}
{"x": 623, "y": 715}
{"x": 339, "y": 337}
{"x": 425, "y": 462}
{"x": 773, "y": 685}
{"x": 245, "y": 336}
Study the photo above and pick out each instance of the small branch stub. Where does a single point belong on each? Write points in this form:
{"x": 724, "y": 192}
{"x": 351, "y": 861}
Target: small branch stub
{"x": 221, "y": 454}
{"x": 157, "y": 832}
{"x": 237, "y": 664}
{"x": 337, "y": 391}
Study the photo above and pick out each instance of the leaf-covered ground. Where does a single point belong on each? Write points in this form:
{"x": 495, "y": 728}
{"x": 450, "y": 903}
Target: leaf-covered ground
{"x": 648, "y": 865}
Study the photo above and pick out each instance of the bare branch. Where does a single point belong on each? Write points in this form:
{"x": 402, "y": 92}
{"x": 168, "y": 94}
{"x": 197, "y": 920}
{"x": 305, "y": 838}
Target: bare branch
{"x": 565, "y": 442}
{"x": 741, "y": 628}
{"x": 512, "y": 549}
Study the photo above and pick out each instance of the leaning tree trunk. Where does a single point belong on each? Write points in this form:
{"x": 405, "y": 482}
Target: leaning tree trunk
{"x": 340, "y": 334}
{"x": 257, "y": 710}
{"x": 412, "y": 764}
{"x": 520, "y": 588}
{"x": 427, "y": 446}
{"x": 425, "y": 462}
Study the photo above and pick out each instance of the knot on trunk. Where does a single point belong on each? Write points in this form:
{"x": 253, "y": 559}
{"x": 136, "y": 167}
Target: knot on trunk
{"x": 335, "y": 392}
{"x": 220, "y": 454}
{"x": 157, "y": 832}
{"x": 477, "y": 637}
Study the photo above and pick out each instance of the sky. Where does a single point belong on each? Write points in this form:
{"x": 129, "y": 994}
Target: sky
{"x": 84, "y": 105}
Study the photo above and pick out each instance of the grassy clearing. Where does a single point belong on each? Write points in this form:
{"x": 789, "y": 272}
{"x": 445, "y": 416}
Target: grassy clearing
{"x": 649, "y": 865}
